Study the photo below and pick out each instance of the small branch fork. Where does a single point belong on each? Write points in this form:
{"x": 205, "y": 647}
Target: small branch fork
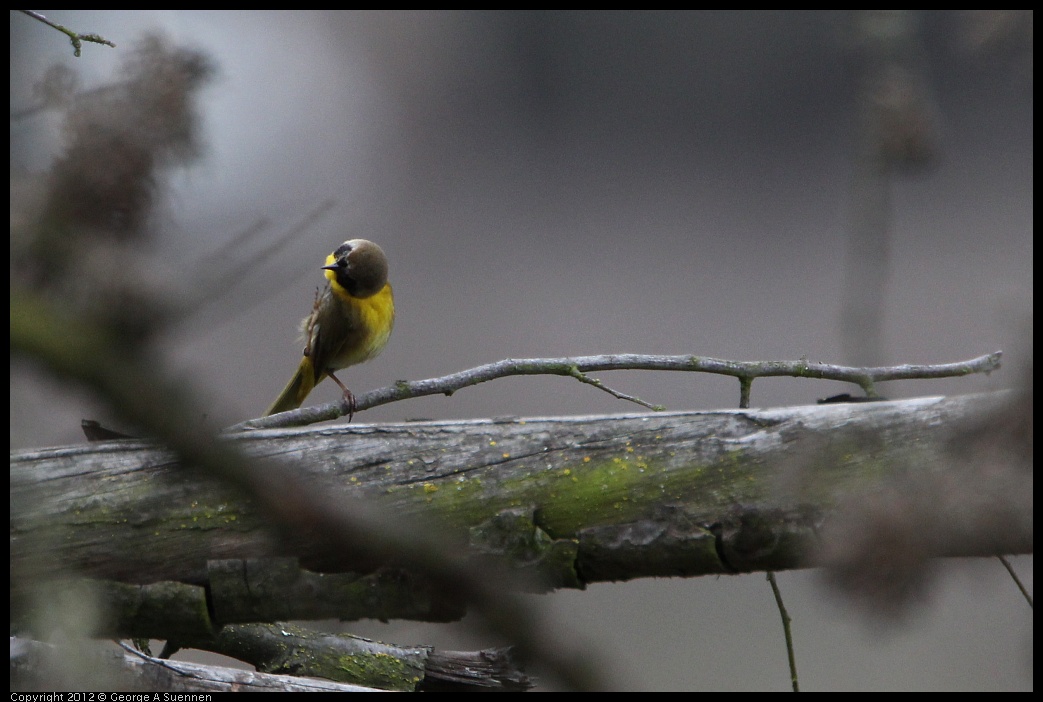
{"x": 76, "y": 38}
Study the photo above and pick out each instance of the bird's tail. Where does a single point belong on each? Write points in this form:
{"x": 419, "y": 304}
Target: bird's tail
{"x": 302, "y": 383}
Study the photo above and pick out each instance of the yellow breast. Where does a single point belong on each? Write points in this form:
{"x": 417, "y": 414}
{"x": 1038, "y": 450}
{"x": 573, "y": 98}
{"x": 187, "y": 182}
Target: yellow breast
{"x": 370, "y": 321}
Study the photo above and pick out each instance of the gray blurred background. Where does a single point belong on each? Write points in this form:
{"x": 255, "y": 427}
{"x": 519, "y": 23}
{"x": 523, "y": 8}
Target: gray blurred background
{"x": 558, "y": 183}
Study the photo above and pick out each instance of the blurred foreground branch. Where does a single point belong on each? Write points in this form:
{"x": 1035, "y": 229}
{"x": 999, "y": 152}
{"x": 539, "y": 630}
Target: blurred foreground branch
{"x": 287, "y": 507}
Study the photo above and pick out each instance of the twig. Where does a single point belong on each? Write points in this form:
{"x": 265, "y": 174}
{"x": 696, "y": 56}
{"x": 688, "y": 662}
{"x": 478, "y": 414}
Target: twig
{"x": 584, "y": 378}
{"x": 574, "y": 367}
{"x": 1017, "y": 580}
{"x": 218, "y": 281}
{"x": 786, "y": 630}
{"x": 74, "y": 37}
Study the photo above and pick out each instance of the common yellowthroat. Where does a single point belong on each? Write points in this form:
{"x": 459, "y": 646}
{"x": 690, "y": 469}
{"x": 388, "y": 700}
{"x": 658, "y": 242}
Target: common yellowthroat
{"x": 349, "y": 323}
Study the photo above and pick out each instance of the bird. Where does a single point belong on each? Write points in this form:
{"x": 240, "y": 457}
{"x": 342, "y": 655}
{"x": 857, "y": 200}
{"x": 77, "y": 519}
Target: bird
{"x": 350, "y": 321}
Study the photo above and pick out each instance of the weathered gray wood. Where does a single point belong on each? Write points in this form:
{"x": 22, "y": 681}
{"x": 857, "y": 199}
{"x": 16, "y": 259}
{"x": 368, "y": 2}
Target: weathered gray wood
{"x": 579, "y": 499}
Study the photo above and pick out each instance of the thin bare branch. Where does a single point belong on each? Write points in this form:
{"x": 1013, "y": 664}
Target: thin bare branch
{"x": 1017, "y": 580}
{"x": 787, "y": 631}
{"x": 575, "y": 366}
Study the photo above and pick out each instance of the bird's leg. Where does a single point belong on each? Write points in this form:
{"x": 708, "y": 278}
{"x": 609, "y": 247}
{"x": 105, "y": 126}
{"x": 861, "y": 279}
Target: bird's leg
{"x": 349, "y": 398}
